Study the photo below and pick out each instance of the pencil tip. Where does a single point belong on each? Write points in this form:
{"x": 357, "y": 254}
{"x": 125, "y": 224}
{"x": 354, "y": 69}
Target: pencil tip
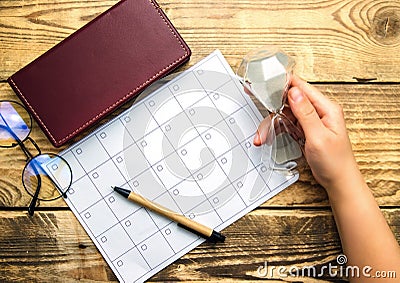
{"x": 122, "y": 191}
{"x": 216, "y": 237}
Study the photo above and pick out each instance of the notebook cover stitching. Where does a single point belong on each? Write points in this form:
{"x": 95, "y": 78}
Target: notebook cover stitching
{"x": 128, "y": 95}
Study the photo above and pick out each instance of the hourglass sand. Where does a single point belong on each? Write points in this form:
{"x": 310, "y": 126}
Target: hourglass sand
{"x": 266, "y": 74}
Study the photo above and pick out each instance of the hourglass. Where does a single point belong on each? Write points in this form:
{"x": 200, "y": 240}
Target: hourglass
{"x": 266, "y": 74}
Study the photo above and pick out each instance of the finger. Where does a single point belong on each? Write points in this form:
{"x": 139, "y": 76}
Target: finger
{"x": 305, "y": 112}
{"x": 330, "y": 112}
{"x": 320, "y": 102}
{"x": 262, "y": 131}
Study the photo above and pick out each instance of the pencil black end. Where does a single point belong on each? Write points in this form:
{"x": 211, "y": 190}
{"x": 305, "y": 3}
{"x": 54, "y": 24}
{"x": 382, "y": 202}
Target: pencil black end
{"x": 122, "y": 191}
{"x": 216, "y": 237}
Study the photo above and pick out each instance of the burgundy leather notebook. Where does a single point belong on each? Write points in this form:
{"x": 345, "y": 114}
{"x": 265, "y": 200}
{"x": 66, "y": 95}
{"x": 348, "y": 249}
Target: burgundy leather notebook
{"x": 99, "y": 67}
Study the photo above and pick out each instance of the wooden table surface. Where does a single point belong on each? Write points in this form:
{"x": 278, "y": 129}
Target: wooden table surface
{"x": 349, "y": 49}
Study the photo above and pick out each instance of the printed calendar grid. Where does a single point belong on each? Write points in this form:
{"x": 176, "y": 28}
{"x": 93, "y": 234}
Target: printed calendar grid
{"x": 127, "y": 234}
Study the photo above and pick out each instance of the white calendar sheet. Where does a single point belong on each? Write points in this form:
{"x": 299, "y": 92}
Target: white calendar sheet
{"x": 187, "y": 146}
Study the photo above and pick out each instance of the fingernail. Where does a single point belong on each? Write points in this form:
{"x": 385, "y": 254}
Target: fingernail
{"x": 296, "y": 95}
{"x": 256, "y": 140}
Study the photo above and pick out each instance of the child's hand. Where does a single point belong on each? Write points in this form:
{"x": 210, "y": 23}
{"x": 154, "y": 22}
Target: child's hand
{"x": 366, "y": 238}
{"x": 327, "y": 149}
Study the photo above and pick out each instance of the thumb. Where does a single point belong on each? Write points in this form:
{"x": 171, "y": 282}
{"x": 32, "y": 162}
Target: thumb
{"x": 305, "y": 112}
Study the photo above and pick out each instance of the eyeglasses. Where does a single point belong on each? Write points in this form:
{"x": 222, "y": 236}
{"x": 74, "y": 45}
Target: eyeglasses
{"x": 46, "y": 176}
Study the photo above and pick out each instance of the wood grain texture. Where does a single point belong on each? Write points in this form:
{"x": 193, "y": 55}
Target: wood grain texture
{"x": 53, "y": 247}
{"x": 337, "y": 44}
{"x": 373, "y": 122}
{"x": 330, "y": 40}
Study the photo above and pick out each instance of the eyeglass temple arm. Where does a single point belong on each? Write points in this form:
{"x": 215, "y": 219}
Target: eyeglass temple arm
{"x": 32, "y": 205}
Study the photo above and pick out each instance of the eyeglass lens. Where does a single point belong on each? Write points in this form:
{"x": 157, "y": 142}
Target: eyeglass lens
{"x": 15, "y": 123}
{"x": 45, "y": 176}
{"x": 48, "y": 173}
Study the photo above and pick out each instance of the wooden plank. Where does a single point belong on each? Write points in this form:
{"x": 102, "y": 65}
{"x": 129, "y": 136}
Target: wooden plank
{"x": 52, "y": 247}
{"x": 373, "y": 121}
{"x": 330, "y": 40}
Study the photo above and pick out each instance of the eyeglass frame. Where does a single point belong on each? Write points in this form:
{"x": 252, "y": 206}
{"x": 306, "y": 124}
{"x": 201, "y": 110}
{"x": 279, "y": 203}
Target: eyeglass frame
{"x": 30, "y": 157}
